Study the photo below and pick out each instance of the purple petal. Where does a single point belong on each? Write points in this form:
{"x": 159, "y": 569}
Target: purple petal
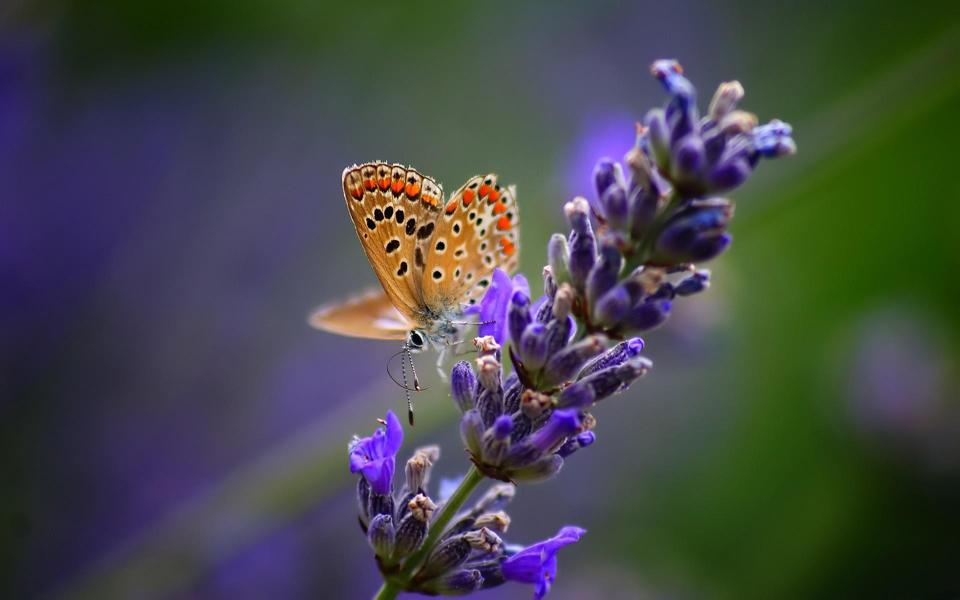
{"x": 394, "y": 435}
{"x": 493, "y": 307}
{"x": 379, "y": 474}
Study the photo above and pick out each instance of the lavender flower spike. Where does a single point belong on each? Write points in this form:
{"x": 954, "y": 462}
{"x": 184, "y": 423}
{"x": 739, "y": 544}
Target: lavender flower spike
{"x": 617, "y": 270}
{"x": 375, "y": 457}
{"x": 537, "y": 564}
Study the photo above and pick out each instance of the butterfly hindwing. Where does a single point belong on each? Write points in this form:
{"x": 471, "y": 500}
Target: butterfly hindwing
{"x": 392, "y": 207}
{"x": 368, "y": 315}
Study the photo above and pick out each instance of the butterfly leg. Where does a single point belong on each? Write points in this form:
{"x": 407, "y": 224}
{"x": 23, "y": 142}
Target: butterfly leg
{"x": 441, "y": 358}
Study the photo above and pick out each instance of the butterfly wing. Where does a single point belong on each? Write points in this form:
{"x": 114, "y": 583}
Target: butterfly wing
{"x": 369, "y": 315}
{"x": 476, "y": 232}
{"x": 392, "y": 207}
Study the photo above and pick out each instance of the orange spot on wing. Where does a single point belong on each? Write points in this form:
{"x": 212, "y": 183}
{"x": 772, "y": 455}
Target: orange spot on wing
{"x": 369, "y": 184}
{"x": 499, "y": 208}
{"x": 384, "y": 183}
{"x": 508, "y": 246}
{"x": 357, "y": 193}
{"x": 494, "y": 196}
{"x": 468, "y": 196}
{"x": 413, "y": 189}
{"x": 503, "y": 223}
{"x": 484, "y": 190}
{"x": 451, "y": 206}
{"x": 397, "y": 186}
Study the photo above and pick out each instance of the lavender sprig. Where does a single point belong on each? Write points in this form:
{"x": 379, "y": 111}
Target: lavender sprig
{"x": 663, "y": 215}
{"x": 626, "y": 259}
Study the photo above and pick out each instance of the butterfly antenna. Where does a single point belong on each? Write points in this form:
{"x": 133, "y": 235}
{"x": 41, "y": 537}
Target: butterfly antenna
{"x": 404, "y": 375}
{"x": 406, "y": 390}
{"x": 416, "y": 381}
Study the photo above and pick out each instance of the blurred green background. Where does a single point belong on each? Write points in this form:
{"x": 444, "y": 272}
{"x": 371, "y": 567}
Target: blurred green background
{"x": 170, "y": 427}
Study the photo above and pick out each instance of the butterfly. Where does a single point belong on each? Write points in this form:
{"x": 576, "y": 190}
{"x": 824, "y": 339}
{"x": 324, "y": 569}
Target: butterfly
{"x": 433, "y": 256}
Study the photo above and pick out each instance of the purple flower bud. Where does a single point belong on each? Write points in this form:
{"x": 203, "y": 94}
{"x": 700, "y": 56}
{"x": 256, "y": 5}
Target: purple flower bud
{"x": 558, "y": 334}
{"x": 583, "y": 243}
{"x": 419, "y": 467}
{"x": 576, "y": 395}
{"x": 558, "y": 255}
{"x": 680, "y": 238}
{"x": 413, "y": 527}
{"x": 617, "y": 355}
{"x": 575, "y": 443}
{"x": 729, "y": 174}
{"x": 568, "y": 361}
{"x": 688, "y": 157}
{"x": 644, "y": 204}
{"x": 728, "y": 94}
{"x": 648, "y": 315}
{"x": 380, "y": 534}
{"x": 533, "y": 346}
{"x": 488, "y": 374}
{"x": 709, "y": 247}
{"x": 463, "y": 385}
{"x": 518, "y": 316}
{"x": 448, "y": 555}
{"x": 471, "y": 431}
{"x": 670, "y": 74}
{"x": 773, "y": 139}
{"x": 511, "y": 394}
{"x": 562, "y": 423}
{"x": 612, "y": 307}
{"x": 490, "y": 405}
{"x": 615, "y": 378}
{"x": 550, "y": 282}
{"x": 603, "y": 276}
{"x": 611, "y": 192}
{"x": 522, "y": 426}
{"x": 455, "y": 583}
{"x": 694, "y": 284}
{"x": 605, "y": 174}
{"x": 539, "y": 470}
{"x": 380, "y": 504}
{"x": 659, "y": 136}
{"x": 363, "y": 500}
{"x": 614, "y": 206}
{"x": 496, "y": 440}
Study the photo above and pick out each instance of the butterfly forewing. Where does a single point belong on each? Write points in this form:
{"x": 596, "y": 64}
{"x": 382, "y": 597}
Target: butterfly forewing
{"x": 476, "y": 233}
{"x": 392, "y": 207}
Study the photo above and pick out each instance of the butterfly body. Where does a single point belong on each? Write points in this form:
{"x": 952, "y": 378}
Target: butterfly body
{"x": 433, "y": 256}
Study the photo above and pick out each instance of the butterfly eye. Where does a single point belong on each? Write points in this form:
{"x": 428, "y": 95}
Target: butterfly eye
{"x": 415, "y": 340}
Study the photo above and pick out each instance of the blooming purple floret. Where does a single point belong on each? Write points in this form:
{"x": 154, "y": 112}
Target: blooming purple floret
{"x": 492, "y": 310}
{"x": 537, "y": 564}
{"x": 375, "y": 457}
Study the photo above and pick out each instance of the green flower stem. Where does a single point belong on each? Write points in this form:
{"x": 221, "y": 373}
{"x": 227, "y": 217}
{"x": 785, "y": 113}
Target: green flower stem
{"x": 387, "y": 591}
{"x": 439, "y": 525}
